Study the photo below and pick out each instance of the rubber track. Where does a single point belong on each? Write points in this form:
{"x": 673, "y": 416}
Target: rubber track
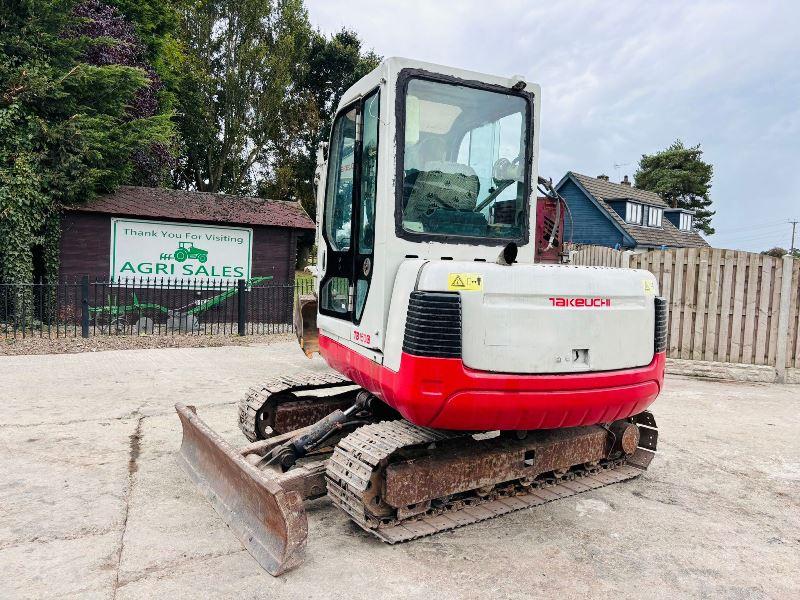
{"x": 301, "y": 381}
{"x": 360, "y": 454}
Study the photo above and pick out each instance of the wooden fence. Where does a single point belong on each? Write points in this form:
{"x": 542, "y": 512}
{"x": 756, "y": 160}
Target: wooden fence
{"x": 724, "y": 305}
{"x": 599, "y": 256}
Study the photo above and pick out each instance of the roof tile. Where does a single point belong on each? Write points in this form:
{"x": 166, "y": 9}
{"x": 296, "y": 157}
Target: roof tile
{"x": 607, "y": 190}
{"x": 198, "y": 206}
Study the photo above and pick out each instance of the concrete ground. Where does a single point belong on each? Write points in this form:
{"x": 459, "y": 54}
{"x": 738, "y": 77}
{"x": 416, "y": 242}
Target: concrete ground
{"x": 92, "y": 503}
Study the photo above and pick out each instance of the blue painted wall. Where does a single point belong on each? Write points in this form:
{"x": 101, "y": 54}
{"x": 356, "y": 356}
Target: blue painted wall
{"x": 592, "y": 226}
{"x": 618, "y": 206}
{"x": 674, "y": 218}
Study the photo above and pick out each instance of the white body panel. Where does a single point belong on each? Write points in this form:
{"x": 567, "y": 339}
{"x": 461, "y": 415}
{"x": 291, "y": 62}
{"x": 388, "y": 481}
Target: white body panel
{"x": 405, "y": 283}
{"x": 522, "y": 320}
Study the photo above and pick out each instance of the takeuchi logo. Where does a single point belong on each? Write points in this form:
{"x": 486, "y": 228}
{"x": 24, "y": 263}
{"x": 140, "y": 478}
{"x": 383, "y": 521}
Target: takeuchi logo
{"x": 563, "y": 302}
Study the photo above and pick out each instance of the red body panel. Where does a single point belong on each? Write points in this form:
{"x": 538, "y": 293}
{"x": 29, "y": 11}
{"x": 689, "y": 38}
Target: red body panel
{"x": 443, "y": 393}
{"x": 546, "y": 211}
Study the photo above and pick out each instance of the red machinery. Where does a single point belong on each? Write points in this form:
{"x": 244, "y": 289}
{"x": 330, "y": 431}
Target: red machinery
{"x": 549, "y": 217}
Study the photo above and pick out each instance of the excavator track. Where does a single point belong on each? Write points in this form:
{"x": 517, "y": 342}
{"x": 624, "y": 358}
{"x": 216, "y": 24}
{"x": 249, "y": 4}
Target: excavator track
{"x": 279, "y": 393}
{"x": 359, "y": 462}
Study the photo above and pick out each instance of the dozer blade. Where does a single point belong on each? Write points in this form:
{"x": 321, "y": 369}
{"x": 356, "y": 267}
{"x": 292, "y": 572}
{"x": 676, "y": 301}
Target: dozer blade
{"x": 269, "y": 520}
{"x": 305, "y": 322}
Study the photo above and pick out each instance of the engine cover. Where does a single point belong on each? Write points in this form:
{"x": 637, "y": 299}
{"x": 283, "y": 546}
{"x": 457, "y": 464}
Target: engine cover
{"x": 549, "y": 318}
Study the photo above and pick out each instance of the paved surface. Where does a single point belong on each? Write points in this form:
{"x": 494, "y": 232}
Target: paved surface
{"x": 92, "y": 503}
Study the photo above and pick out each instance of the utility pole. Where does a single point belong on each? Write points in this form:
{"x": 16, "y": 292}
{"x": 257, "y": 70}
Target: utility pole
{"x": 794, "y": 226}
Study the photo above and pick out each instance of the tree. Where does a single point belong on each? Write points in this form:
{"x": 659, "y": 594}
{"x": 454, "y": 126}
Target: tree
{"x": 779, "y": 252}
{"x": 77, "y": 103}
{"x": 333, "y": 65}
{"x": 680, "y": 176}
{"x": 256, "y": 88}
{"x": 154, "y": 21}
{"x": 235, "y": 66}
{"x": 114, "y": 42}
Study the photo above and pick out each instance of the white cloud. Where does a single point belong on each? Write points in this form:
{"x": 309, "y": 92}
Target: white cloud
{"x": 625, "y": 78}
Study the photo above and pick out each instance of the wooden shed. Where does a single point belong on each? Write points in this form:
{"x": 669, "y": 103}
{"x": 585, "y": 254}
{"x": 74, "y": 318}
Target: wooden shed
{"x": 185, "y": 233}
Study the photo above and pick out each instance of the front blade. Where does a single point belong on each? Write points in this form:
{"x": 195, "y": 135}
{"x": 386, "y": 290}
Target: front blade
{"x": 305, "y": 323}
{"x": 270, "y": 521}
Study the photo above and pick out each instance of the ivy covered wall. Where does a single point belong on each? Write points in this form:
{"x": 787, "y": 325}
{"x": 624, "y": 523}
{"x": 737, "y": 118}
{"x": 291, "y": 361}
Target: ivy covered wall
{"x": 81, "y": 111}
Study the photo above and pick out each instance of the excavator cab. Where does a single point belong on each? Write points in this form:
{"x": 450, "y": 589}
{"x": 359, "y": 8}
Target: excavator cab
{"x": 423, "y": 161}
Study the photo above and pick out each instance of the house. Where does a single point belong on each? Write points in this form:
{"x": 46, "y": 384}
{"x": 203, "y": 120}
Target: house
{"x": 621, "y": 216}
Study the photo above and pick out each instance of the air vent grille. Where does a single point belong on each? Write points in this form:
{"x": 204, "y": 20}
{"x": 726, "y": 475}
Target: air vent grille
{"x": 433, "y": 325}
{"x": 661, "y": 325}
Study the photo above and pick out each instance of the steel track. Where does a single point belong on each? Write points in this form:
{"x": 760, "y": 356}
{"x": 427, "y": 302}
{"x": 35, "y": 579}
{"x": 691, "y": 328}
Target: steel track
{"x": 361, "y": 456}
{"x": 282, "y": 385}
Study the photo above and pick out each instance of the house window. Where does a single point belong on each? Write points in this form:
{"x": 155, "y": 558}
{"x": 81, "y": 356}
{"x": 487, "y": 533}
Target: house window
{"x": 633, "y": 213}
{"x": 686, "y": 222}
{"x": 654, "y": 216}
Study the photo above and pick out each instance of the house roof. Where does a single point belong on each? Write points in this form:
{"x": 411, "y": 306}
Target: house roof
{"x": 184, "y": 205}
{"x": 606, "y": 190}
{"x": 666, "y": 235}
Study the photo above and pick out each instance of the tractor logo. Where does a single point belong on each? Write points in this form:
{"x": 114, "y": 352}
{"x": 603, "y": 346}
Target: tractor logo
{"x": 187, "y": 250}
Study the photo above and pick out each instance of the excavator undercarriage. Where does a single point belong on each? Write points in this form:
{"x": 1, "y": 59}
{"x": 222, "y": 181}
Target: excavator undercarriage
{"x": 396, "y": 480}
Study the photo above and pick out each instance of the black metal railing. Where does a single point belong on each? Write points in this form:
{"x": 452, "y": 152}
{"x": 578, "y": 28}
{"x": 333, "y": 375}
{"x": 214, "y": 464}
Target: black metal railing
{"x": 148, "y": 306}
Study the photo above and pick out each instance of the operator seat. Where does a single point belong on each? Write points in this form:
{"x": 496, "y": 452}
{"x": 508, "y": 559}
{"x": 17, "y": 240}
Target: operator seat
{"x": 444, "y": 186}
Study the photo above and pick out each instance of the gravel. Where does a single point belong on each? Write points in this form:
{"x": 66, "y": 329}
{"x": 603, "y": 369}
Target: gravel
{"x": 69, "y": 345}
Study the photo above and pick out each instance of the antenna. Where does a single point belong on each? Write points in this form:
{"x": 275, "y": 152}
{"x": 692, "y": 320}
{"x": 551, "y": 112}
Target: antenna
{"x": 617, "y": 167}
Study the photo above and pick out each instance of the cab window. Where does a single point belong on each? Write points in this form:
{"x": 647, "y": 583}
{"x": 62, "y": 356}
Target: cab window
{"x": 464, "y": 167}
{"x": 339, "y": 192}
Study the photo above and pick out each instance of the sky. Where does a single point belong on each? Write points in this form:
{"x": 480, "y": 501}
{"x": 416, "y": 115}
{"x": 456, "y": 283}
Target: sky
{"x": 621, "y": 79}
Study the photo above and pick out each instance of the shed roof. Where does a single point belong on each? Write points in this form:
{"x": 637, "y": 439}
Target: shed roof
{"x": 666, "y": 235}
{"x": 206, "y": 207}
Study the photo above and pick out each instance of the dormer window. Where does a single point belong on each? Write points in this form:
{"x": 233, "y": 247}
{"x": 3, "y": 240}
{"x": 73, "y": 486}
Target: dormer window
{"x": 686, "y": 222}
{"x": 633, "y": 213}
{"x": 654, "y": 216}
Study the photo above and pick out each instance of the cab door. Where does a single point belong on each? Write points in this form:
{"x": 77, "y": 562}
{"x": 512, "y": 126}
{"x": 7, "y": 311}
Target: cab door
{"x": 349, "y": 213}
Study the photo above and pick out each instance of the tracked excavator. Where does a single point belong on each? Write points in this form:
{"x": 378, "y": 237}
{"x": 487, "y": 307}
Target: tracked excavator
{"x": 467, "y": 379}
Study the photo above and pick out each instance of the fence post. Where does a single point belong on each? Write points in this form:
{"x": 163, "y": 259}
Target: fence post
{"x": 242, "y": 308}
{"x": 85, "y": 306}
{"x": 782, "y": 339}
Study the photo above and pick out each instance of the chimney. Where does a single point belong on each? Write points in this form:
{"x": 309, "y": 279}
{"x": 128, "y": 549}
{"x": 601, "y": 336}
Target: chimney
{"x": 625, "y": 181}
{"x": 603, "y": 177}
